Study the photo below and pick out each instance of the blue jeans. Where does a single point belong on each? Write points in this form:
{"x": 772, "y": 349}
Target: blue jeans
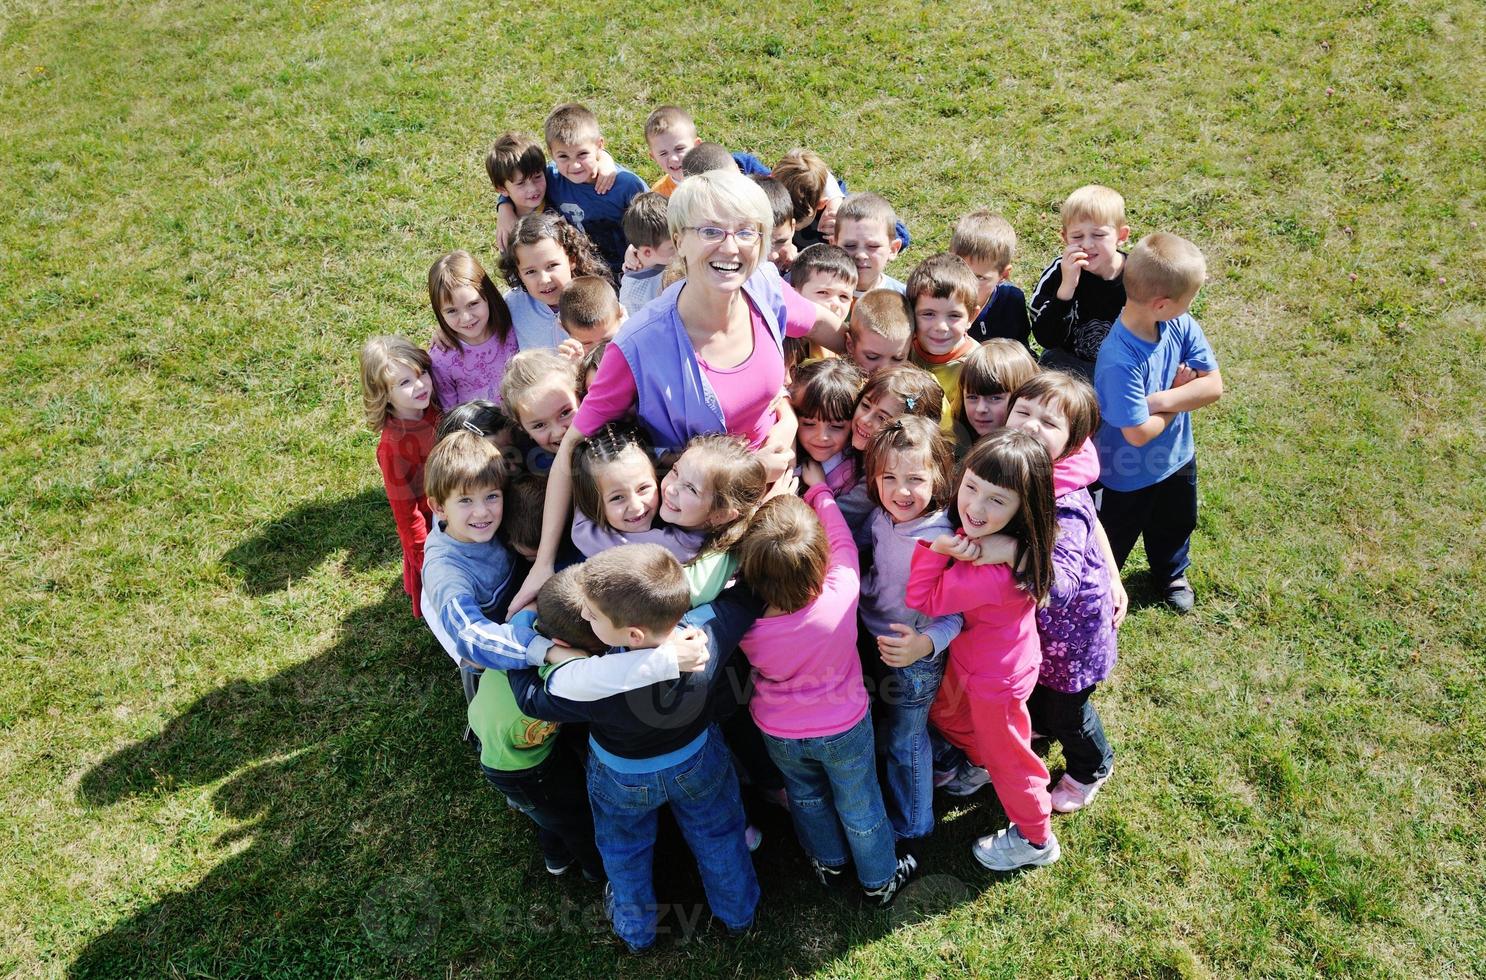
{"x": 905, "y": 695}
{"x": 835, "y": 801}
{"x": 703, "y": 793}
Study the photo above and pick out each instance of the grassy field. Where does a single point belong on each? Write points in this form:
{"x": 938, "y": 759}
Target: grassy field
{"x": 227, "y": 750}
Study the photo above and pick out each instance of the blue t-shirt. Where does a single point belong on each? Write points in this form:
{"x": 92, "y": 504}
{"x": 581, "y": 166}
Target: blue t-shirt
{"x": 1128, "y": 370}
{"x": 599, "y": 215}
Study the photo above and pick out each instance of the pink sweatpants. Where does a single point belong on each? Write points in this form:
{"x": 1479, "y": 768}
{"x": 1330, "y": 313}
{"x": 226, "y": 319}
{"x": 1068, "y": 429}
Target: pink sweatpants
{"x": 987, "y": 719}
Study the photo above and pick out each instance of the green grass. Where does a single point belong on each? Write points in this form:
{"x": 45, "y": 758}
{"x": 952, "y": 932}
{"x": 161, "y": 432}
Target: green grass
{"x": 227, "y": 749}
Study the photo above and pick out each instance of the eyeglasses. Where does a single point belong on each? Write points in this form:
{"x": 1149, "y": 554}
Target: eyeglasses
{"x": 713, "y": 235}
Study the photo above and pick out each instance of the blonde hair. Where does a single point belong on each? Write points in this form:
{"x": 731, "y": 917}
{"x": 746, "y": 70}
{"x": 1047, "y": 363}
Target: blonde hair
{"x": 459, "y": 268}
{"x": 637, "y": 585}
{"x": 884, "y": 312}
{"x": 1095, "y": 203}
{"x": 570, "y": 123}
{"x": 943, "y": 276}
{"x": 720, "y": 195}
{"x": 784, "y": 554}
{"x": 984, "y": 236}
{"x": 535, "y": 369}
{"x": 378, "y": 356}
{"x": 869, "y": 208}
{"x": 666, "y": 118}
{"x": 736, "y": 478}
{"x": 1163, "y": 265}
{"x": 462, "y": 462}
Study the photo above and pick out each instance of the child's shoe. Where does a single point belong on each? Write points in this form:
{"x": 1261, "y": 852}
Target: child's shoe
{"x": 1008, "y": 850}
{"x": 558, "y": 866}
{"x": 883, "y": 895}
{"x": 1070, "y": 795}
{"x": 753, "y": 837}
{"x": 943, "y": 777}
{"x": 968, "y": 780}
{"x": 828, "y": 876}
{"x": 1179, "y": 595}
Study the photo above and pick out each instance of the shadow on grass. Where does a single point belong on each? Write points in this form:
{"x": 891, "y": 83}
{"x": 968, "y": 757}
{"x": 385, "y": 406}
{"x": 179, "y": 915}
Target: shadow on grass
{"x": 369, "y": 844}
{"x": 291, "y": 547}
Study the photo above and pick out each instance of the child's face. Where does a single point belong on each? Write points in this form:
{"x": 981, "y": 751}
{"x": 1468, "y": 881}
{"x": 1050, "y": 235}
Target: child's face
{"x": 408, "y": 391}
{"x": 546, "y": 412}
{"x": 832, "y": 293}
{"x": 686, "y": 497}
{"x": 940, "y": 324}
{"x": 871, "y": 246}
{"x": 988, "y": 276}
{"x": 608, "y": 632}
{"x": 1036, "y": 417}
{"x": 591, "y": 337}
{"x": 472, "y": 515}
{"x": 544, "y": 270}
{"x": 782, "y": 249}
{"x": 629, "y": 493}
{"x": 871, "y": 416}
{"x": 466, "y": 314}
{"x": 654, "y": 255}
{"x": 823, "y": 438}
{"x": 986, "y": 413}
{"x": 905, "y": 486}
{"x": 871, "y": 351}
{"x": 527, "y": 191}
{"x": 1100, "y": 243}
{"x": 668, "y": 148}
{"x": 985, "y": 508}
{"x": 577, "y": 162}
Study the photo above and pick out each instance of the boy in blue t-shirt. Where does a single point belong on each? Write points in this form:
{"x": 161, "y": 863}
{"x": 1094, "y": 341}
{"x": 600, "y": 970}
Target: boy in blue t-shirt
{"x": 1154, "y": 368}
{"x": 575, "y": 146}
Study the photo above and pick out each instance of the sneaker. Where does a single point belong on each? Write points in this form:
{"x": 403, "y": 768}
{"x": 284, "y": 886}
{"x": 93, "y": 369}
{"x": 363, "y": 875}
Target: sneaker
{"x": 969, "y": 779}
{"x": 883, "y": 895}
{"x": 1179, "y": 595}
{"x": 943, "y": 777}
{"x": 1008, "y": 850}
{"x": 557, "y": 867}
{"x": 753, "y": 837}
{"x": 828, "y": 876}
{"x": 1070, "y": 795}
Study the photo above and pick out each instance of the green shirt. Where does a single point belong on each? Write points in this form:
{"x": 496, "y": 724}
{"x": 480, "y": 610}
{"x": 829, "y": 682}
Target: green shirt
{"x": 509, "y": 741}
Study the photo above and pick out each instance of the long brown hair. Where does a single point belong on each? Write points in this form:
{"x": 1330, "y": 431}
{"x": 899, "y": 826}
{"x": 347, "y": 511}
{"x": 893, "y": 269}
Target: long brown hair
{"x": 1019, "y": 462}
{"x": 461, "y": 269}
{"x": 913, "y": 434}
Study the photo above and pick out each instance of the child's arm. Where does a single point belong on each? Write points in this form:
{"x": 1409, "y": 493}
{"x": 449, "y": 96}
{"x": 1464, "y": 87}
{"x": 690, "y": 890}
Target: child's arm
{"x": 412, "y": 526}
{"x": 1051, "y": 313}
{"x": 505, "y": 223}
{"x": 843, "y": 549}
{"x": 486, "y": 643}
{"x": 596, "y": 678}
{"x": 908, "y": 645}
{"x": 938, "y": 584}
{"x": 1202, "y": 390}
{"x": 1068, "y": 558}
{"x": 778, "y": 451}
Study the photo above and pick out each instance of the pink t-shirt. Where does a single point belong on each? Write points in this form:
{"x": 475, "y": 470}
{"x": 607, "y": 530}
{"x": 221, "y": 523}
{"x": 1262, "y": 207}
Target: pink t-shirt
{"x": 474, "y": 372}
{"x": 999, "y": 643}
{"x": 807, "y": 673}
{"x": 744, "y": 391}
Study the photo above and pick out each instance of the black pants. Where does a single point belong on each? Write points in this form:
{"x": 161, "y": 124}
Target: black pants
{"x": 1165, "y": 512}
{"x": 1070, "y": 720}
{"x": 554, "y": 794}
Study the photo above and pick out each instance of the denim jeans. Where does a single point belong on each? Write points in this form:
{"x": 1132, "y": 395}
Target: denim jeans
{"x": 1165, "y": 513}
{"x": 1071, "y": 720}
{"x": 904, "y": 697}
{"x": 551, "y": 794}
{"x": 703, "y": 794}
{"x": 835, "y": 800}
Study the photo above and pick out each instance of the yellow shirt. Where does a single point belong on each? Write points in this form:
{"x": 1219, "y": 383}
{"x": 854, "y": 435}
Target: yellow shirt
{"x": 946, "y": 370}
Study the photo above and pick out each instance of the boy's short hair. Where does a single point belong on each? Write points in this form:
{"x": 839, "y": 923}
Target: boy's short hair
{"x": 1096, "y": 203}
{"x": 637, "y": 585}
{"x": 570, "y": 124}
{"x": 560, "y": 611}
{"x": 884, "y": 312}
{"x": 521, "y": 513}
{"x": 943, "y": 276}
{"x": 826, "y": 389}
{"x": 1069, "y": 394}
{"x": 513, "y": 156}
{"x": 1163, "y": 264}
{"x": 784, "y": 554}
{"x": 871, "y": 208}
{"x": 587, "y": 302}
{"x": 666, "y": 118}
{"x": 997, "y": 367}
{"x": 779, "y": 199}
{"x": 707, "y": 156}
{"x": 462, "y": 463}
{"x": 984, "y": 236}
{"x": 803, "y": 174}
{"x": 644, "y": 220}
{"x": 822, "y": 259}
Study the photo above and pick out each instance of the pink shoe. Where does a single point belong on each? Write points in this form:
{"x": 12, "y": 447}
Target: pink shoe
{"x": 1070, "y": 795}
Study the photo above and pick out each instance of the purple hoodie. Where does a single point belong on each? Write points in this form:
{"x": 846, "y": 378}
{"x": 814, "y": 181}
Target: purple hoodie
{"x": 1077, "y": 626}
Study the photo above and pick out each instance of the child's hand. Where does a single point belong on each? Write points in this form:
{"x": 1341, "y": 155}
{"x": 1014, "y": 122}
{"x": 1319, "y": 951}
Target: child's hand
{"x": 909, "y": 646}
{"x": 505, "y": 223}
{"x": 1184, "y": 374}
{"x": 1120, "y": 596}
{"x": 786, "y": 485}
{"x": 690, "y": 645}
{"x": 559, "y": 652}
{"x": 604, "y": 172}
{"x": 955, "y": 546}
{"x": 631, "y": 260}
{"x": 812, "y": 474}
{"x": 1074, "y": 261}
{"x": 997, "y": 549}
{"x": 572, "y": 350}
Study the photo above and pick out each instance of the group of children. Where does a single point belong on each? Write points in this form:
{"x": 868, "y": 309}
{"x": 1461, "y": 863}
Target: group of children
{"x": 933, "y": 588}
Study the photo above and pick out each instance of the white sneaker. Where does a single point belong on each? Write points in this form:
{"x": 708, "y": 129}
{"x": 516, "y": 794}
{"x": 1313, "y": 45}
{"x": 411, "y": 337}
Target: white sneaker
{"x": 943, "y": 777}
{"x": 1008, "y": 850}
{"x": 1070, "y": 795}
{"x": 753, "y": 837}
{"x": 967, "y": 781}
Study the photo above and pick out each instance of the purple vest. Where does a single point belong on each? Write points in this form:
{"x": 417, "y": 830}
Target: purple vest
{"x": 675, "y": 400}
